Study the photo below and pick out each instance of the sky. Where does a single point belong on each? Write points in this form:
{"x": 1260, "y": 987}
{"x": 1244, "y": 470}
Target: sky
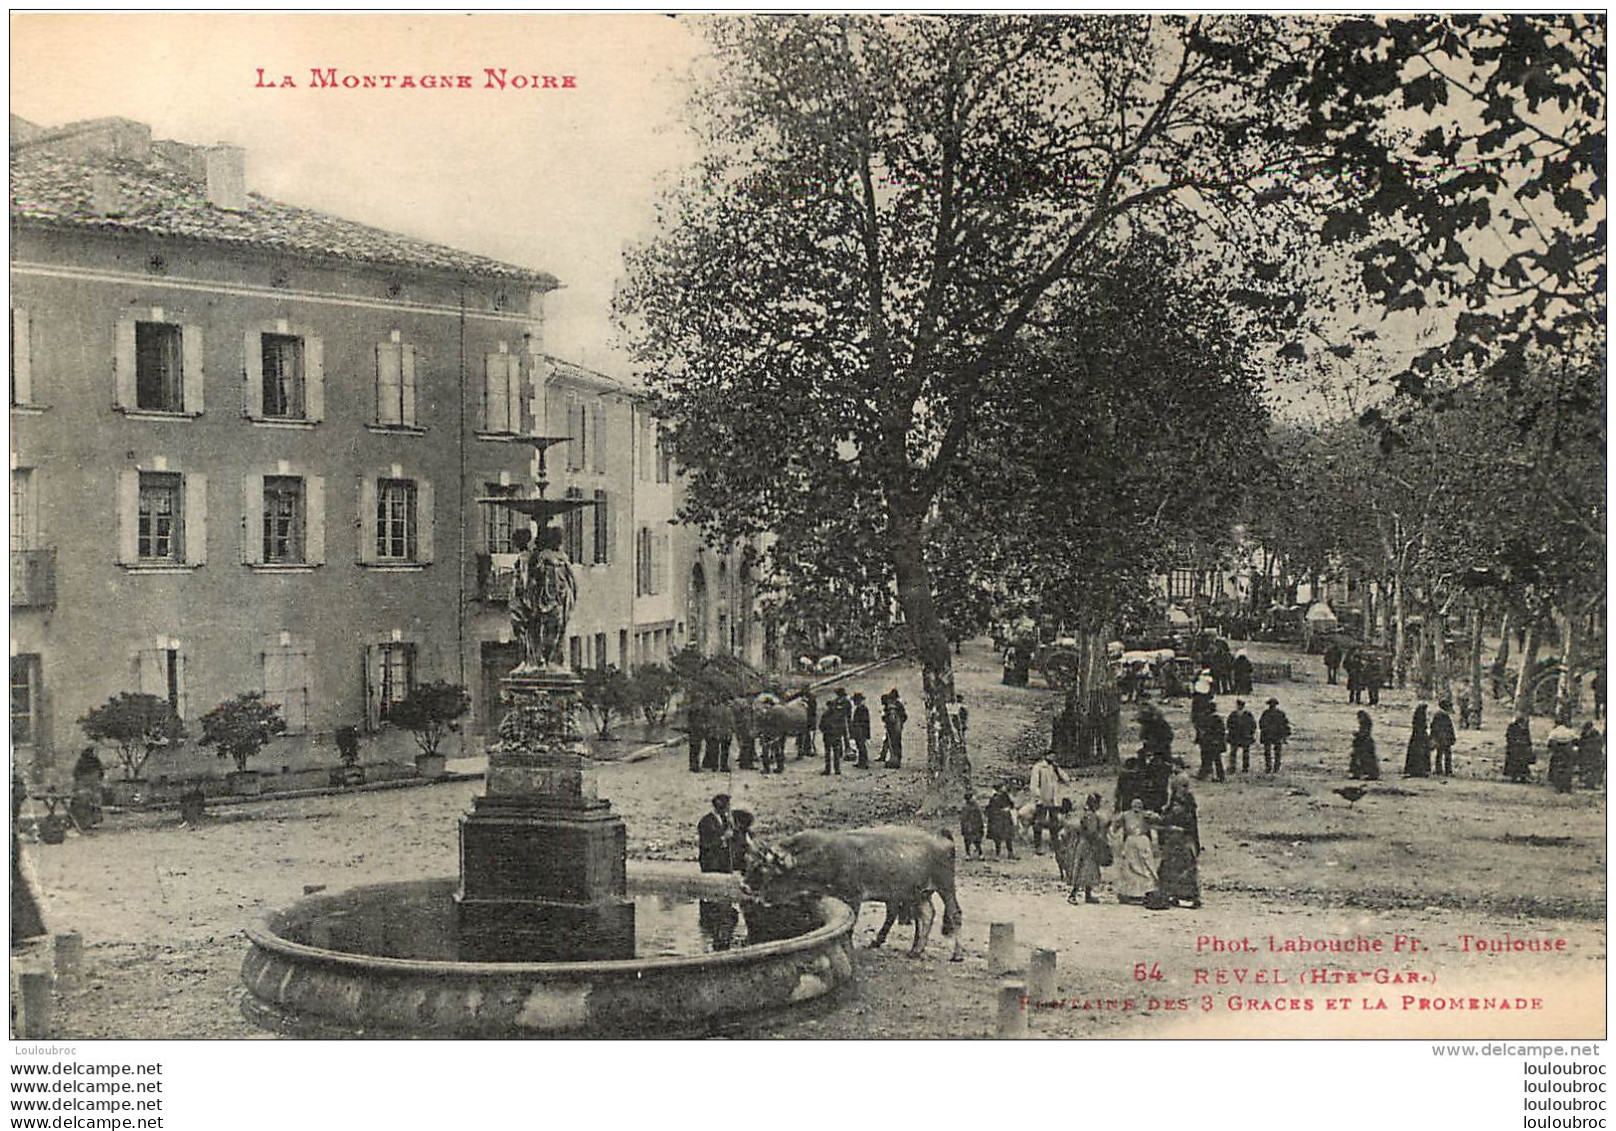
{"x": 559, "y": 180}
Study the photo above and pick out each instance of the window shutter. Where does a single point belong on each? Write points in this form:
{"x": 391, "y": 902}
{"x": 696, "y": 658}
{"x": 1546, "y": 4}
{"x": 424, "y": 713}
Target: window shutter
{"x": 182, "y": 707}
{"x": 406, "y": 384}
{"x": 388, "y": 371}
{"x": 123, "y": 363}
{"x": 196, "y": 519}
{"x": 252, "y": 521}
{"x": 22, "y": 370}
{"x": 370, "y": 668}
{"x": 314, "y": 378}
{"x": 600, "y": 436}
{"x": 128, "y": 516}
{"x": 423, "y": 511}
{"x": 488, "y": 409}
{"x": 367, "y": 520}
{"x": 513, "y": 391}
{"x": 252, "y": 395}
{"x": 191, "y": 368}
{"x": 314, "y": 505}
{"x": 151, "y": 679}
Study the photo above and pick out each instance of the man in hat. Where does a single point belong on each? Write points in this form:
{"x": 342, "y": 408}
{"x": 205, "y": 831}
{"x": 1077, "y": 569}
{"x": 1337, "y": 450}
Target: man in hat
{"x": 834, "y": 722}
{"x": 1046, "y": 778}
{"x": 714, "y": 834}
{"x": 859, "y": 730}
{"x": 1242, "y": 733}
{"x": 1275, "y": 729}
{"x": 1443, "y": 738}
{"x": 893, "y": 716}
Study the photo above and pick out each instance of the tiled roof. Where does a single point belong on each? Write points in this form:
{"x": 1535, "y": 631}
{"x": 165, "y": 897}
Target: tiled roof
{"x": 160, "y": 198}
{"x": 577, "y": 374}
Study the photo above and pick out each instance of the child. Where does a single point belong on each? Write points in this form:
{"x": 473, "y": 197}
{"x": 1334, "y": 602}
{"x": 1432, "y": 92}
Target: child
{"x": 971, "y": 826}
{"x": 1002, "y": 821}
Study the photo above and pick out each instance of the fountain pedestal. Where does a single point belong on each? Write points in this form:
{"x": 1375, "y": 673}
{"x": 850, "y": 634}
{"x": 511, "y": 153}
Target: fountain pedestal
{"x": 542, "y": 859}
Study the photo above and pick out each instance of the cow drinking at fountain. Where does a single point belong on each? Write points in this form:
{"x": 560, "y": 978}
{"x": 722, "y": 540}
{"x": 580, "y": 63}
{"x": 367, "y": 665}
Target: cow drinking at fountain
{"x": 900, "y": 867}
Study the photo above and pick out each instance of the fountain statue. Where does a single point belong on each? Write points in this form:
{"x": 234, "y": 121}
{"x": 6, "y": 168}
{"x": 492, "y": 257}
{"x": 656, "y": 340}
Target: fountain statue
{"x": 542, "y": 599}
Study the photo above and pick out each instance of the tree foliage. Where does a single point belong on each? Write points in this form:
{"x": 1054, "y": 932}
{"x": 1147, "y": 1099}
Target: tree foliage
{"x": 652, "y": 688}
{"x": 136, "y": 726}
{"x": 430, "y": 712}
{"x": 607, "y": 695}
{"x": 243, "y": 726}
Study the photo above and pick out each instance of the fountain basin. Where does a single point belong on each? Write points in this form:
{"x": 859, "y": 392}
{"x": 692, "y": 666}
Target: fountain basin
{"x": 331, "y": 966}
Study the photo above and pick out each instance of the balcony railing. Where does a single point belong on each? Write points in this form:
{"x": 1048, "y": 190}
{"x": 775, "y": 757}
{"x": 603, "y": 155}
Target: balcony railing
{"x": 33, "y": 579}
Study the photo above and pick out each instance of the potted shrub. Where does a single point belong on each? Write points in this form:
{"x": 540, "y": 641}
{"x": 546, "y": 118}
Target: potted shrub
{"x": 606, "y": 694}
{"x": 350, "y": 772}
{"x": 429, "y": 713}
{"x": 136, "y": 726}
{"x": 240, "y": 728}
{"x": 652, "y": 687}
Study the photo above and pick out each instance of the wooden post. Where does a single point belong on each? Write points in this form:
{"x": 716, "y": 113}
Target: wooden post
{"x": 1002, "y": 949}
{"x": 1012, "y": 1011}
{"x": 68, "y": 951}
{"x": 1041, "y": 975}
{"x": 34, "y": 1005}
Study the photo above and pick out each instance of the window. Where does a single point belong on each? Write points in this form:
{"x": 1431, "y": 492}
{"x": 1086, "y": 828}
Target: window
{"x": 23, "y": 532}
{"x": 22, "y": 383}
{"x": 575, "y": 653}
{"x": 283, "y": 519}
{"x": 578, "y": 433}
{"x": 650, "y": 557}
{"x": 161, "y": 673}
{"x": 282, "y": 359}
{"x": 664, "y": 458}
{"x": 1181, "y": 584}
{"x": 395, "y": 520}
{"x": 159, "y": 367}
{"x": 603, "y": 530}
{"x": 600, "y": 649}
{"x": 499, "y": 522}
{"x": 502, "y": 393}
{"x": 572, "y": 528}
{"x": 162, "y": 517}
{"x": 395, "y": 384}
{"x": 390, "y": 677}
{"x": 24, "y": 696}
{"x": 597, "y": 438}
{"x": 160, "y": 530}
{"x": 286, "y": 681}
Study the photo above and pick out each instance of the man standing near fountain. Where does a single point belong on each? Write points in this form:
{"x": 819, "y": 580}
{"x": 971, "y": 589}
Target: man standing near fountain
{"x": 713, "y": 835}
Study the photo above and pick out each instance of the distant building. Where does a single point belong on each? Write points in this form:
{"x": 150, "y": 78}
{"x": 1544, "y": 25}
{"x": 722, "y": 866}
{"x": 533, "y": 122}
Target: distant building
{"x": 248, "y": 440}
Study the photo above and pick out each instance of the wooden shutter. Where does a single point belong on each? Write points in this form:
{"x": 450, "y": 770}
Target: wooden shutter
{"x": 388, "y": 371}
{"x": 513, "y": 392}
{"x": 151, "y": 672}
{"x": 252, "y": 393}
{"x": 252, "y": 520}
{"x": 128, "y": 516}
{"x": 181, "y": 703}
{"x": 123, "y": 363}
{"x": 191, "y": 369}
{"x": 295, "y": 690}
{"x": 314, "y": 519}
{"x": 22, "y": 369}
{"x": 370, "y": 668}
{"x": 599, "y": 444}
{"x": 367, "y": 520}
{"x": 314, "y": 378}
{"x": 406, "y": 385}
{"x": 196, "y": 519}
{"x": 424, "y": 520}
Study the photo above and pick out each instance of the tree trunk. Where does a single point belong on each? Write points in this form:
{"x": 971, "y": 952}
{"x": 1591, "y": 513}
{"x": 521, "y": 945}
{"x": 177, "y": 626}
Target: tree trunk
{"x": 1523, "y": 682}
{"x": 1371, "y": 611}
{"x": 1400, "y": 640}
{"x": 1501, "y": 658}
{"x": 947, "y": 762}
{"x": 1477, "y": 620}
{"x": 1440, "y": 683}
{"x": 1094, "y": 705}
{"x": 1565, "y": 694}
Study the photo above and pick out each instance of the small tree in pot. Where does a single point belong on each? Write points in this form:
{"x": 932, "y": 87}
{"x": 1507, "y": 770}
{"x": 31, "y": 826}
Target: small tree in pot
{"x": 351, "y": 772}
{"x": 136, "y": 726}
{"x": 606, "y": 694}
{"x": 429, "y": 713}
{"x": 240, "y": 728}
{"x": 653, "y": 687}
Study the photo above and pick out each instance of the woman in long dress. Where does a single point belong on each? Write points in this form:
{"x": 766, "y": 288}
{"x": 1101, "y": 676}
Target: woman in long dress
{"x": 1181, "y": 846}
{"x": 1365, "y": 764}
{"x": 1417, "y": 763}
{"x": 1090, "y": 850}
{"x": 1136, "y": 867}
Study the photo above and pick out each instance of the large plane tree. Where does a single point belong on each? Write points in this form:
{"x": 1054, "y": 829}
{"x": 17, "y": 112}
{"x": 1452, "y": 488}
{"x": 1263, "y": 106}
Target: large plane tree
{"x": 884, "y": 207}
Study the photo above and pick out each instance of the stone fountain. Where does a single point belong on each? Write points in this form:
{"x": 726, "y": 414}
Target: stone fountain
{"x": 537, "y": 937}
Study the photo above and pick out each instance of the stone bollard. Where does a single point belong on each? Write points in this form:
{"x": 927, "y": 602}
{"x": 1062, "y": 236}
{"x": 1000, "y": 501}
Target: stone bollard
{"x": 1041, "y": 975}
{"x": 34, "y": 1005}
{"x": 1012, "y": 1010}
{"x": 68, "y": 951}
{"x": 1002, "y": 949}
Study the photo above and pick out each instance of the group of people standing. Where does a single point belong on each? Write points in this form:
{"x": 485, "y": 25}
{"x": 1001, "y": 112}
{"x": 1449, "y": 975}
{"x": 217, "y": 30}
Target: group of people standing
{"x": 1365, "y": 672}
{"x": 1573, "y": 755}
{"x": 1215, "y": 734}
{"x": 844, "y": 726}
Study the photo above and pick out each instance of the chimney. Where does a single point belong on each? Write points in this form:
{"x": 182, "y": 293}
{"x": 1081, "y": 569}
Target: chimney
{"x": 226, "y": 172}
{"x": 106, "y": 196}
